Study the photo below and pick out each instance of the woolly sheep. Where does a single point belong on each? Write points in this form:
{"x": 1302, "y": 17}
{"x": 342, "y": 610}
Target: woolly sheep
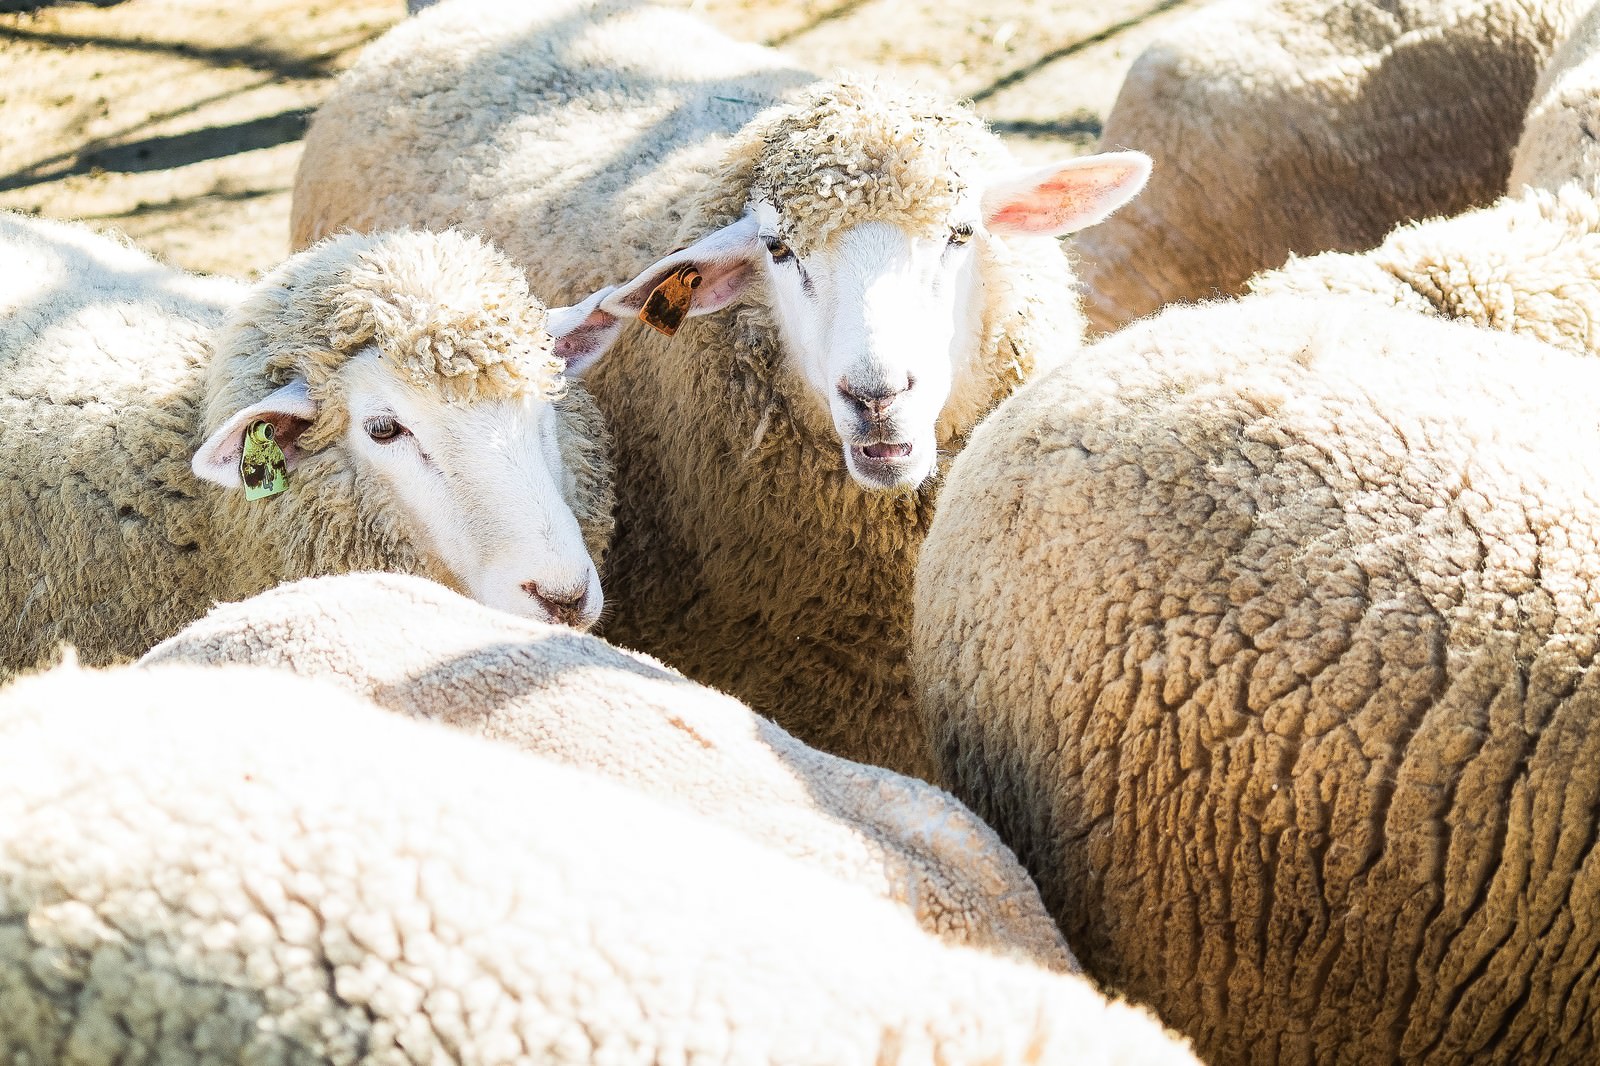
{"x": 894, "y": 275}
{"x": 246, "y": 866}
{"x": 1276, "y": 670}
{"x": 421, "y": 650}
{"x": 1529, "y": 263}
{"x": 1283, "y": 126}
{"x": 412, "y": 385}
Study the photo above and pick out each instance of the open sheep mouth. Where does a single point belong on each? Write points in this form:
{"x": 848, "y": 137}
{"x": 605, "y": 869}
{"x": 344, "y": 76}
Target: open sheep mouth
{"x": 886, "y": 451}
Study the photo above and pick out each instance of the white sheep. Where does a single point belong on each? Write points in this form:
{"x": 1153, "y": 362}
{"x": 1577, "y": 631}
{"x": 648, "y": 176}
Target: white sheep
{"x": 1528, "y": 263}
{"x": 416, "y": 394}
{"x": 245, "y": 866}
{"x": 1302, "y": 126}
{"x": 889, "y": 274}
{"x": 1278, "y": 671}
{"x": 420, "y": 650}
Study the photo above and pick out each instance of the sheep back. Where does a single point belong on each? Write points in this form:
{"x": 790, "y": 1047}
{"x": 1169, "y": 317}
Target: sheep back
{"x": 1275, "y": 669}
{"x": 425, "y": 652}
{"x": 247, "y": 866}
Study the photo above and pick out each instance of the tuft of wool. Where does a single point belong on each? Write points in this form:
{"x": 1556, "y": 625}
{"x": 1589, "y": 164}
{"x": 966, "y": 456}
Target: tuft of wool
{"x": 1268, "y": 634}
{"x": 446, "y": 310}
{"x": 422, "y": 651}
{"x": 853, "y": 150}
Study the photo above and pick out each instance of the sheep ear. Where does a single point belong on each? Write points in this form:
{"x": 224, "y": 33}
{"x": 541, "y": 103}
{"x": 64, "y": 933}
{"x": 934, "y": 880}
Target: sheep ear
{"x": 584, "y": 332}
{"x": 704, "y": 277}
{"x": 289, "y": 409}
{"x": 1062, "y": 197}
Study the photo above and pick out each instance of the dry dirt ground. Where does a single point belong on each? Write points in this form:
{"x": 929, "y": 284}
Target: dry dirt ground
{"x": 179, "y": 121}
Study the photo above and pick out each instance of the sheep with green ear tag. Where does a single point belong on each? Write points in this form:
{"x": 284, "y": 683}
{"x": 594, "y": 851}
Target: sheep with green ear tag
{"x": 394, "y": 401}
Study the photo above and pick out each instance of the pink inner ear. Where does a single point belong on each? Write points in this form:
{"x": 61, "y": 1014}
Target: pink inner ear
{"x": 1054, "y": 204}
{"x": 1051, "y": 202}
{"x": 580, "y": 346}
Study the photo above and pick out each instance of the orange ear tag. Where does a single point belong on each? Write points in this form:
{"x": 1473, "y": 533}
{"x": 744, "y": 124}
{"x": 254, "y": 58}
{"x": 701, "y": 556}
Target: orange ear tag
{"x": 668, "y": 303}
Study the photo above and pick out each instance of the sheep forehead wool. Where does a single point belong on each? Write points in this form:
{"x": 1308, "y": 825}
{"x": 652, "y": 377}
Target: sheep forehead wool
{"x": 854, "y": 151}
{"x": 447, "y": 310}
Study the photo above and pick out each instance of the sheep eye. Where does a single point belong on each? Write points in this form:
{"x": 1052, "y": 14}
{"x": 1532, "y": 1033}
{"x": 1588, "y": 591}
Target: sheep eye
{"x": 780, "y": 252}
{"x": 960, "y": 234}
{"x": 385, "y": 430}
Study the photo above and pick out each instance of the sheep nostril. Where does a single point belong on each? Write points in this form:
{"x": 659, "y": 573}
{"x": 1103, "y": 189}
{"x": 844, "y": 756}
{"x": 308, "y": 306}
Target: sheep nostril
{"x": 565, "y": 606}
{"x": 872, "y": 403}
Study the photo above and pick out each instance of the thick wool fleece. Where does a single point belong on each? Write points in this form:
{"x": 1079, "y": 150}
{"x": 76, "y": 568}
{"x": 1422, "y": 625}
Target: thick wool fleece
{"x": 245, "y": 866}
{"x": 420, "y": 650}
{"x": 1558, "y": 135}
{"x": 745, "y": 554}
{"x": 1301, "y": 126}
{"x": 1530, "y": 264}
{"x": 116, "y": 368}
{"x": 1265, "y": 633}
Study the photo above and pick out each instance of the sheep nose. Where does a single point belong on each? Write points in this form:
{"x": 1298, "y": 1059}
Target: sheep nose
{"x": 564, "y": 605}
{"x": 872, "y": 403}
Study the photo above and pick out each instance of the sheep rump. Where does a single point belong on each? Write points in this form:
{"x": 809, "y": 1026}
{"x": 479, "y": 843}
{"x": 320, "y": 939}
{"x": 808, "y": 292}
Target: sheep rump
{"x": 1278, "y": 676}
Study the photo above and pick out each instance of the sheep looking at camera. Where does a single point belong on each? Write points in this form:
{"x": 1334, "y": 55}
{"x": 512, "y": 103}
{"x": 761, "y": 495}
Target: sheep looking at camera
{"x": 413, "y": 386}
{"x": 885, "y": 275}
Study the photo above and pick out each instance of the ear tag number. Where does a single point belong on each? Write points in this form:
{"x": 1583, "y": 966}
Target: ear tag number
{"x": 262, "y": 467}
{"x": 668, "y": 304}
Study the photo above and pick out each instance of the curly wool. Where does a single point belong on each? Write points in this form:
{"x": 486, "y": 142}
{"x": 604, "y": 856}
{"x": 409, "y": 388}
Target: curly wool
{"x": 422, "y": 651}
{"x": 850, "y": 151}
{"x": 1529, "y": 264}
{"x": 1282, "y": 127}
{"x": 445, "y": 309}
{"x": 299, "y": 878}
{"x": 1279, "y": 672}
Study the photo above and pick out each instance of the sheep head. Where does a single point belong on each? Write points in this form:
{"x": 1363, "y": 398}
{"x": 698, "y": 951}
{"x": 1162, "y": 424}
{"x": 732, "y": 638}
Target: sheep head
{"x": 411, "y": 377}
{"x": 865, "y": 220}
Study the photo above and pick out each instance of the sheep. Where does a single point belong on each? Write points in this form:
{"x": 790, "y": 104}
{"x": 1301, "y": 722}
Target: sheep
{"x": 888, "y": 276}
{"x": 1264, "y": 633}
{"x": 246, "y": 866}
{"x": 1301, "y": 126}
{"x": 414, "y": 389}
{"x": 1530, "y": 262}
{"x": 418, "y": 649}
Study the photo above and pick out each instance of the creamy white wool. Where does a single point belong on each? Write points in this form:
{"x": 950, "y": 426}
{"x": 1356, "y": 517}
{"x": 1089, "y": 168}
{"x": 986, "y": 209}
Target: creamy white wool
{"x": 1279, "y": 675}
{"x": 422, "y": 651}
{"x": 298, "y": 877}
{"x": 1284, "y": 127}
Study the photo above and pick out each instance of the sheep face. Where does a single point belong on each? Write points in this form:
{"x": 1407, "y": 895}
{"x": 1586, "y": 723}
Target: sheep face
{"x": 484, "y": 487}
{"x": 882, "y": 318}
{"x": 877, "y": 323}
{"x": 475, "y": 485}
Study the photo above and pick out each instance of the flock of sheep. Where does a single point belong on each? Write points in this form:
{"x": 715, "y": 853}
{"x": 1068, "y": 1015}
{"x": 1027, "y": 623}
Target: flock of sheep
{"x": 1253, "y": 638}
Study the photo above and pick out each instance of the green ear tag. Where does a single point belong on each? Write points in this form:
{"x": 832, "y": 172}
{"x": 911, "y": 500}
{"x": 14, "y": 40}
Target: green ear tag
{"x": 262, "y": 466}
